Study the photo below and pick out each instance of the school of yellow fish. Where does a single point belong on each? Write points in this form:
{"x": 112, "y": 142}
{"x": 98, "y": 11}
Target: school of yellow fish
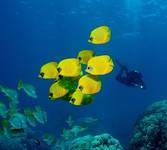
{"x": 73, "y": 84}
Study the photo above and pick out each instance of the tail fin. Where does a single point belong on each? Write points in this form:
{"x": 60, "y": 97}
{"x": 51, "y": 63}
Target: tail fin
{"x": 20, "y": 85}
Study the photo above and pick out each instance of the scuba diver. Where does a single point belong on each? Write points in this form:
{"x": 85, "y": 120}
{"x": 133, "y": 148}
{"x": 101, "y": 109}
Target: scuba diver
{"x": 130, "y": 78}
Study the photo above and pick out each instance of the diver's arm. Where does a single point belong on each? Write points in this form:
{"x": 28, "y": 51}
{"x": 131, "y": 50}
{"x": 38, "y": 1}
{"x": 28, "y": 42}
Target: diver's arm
{"x": 122, "y": 66}
{"x": 123, "y": 73}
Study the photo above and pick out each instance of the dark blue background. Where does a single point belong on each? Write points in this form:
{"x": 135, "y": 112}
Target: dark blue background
{"x": 33, "y": 32}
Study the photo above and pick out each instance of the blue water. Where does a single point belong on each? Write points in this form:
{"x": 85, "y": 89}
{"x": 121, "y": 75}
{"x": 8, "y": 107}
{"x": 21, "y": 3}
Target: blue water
{"x": 33, "y": 32}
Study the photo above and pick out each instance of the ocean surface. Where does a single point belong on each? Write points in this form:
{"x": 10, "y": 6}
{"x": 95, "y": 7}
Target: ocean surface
{"x": 34, "y": 32}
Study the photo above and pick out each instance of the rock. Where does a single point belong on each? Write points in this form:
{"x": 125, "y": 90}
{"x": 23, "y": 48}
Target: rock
{"x": 98, "y": 142}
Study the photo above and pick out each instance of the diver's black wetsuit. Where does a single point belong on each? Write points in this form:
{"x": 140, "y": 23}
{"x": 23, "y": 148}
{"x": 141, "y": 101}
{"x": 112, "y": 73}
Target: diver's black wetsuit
{"x": 130, "y": 78}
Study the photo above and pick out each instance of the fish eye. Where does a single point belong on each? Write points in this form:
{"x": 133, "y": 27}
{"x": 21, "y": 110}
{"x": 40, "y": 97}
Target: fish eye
{"x": 80, "y": 87}
{"x": 59, "y": 69}
{"x": 42, "y": 74}
{"x": 79, "y": 58}
{"x": 90, "y": 68}
{"x": 91, "y": 38}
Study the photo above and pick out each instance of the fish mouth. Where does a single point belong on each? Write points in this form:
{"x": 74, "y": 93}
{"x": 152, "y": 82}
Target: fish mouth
{"x": 41, "y": 75}
{"x": 50, "y": 96}
{"x": 60, "y": 77}
{"x": 72, "y": 100}
{"x": 90, "y": 39}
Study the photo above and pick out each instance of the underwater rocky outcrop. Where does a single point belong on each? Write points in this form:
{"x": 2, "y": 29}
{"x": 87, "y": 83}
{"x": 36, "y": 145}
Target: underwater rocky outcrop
{"x": 98, "y": 142}
{"x": 150, "y": 132}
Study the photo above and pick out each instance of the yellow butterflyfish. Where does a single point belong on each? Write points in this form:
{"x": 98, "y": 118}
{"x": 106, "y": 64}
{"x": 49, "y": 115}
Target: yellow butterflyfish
{"x": 100, "y": 35}
{"x": 85, "y": 55}
{"x": 57, "y": 91}
{"x": 49, "y": 71}
{"x": 70, "y": 67}
{"x": 100, "y": 65}
{"x": 89, "y": 84}
{"x": 78, "y": 98}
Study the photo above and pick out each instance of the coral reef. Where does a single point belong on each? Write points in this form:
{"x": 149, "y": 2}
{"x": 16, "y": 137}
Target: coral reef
{"x": 98, "y": 142}
{"x": 70, "y": 133}
{"x": 76, "y": 129}
{"x": 150, "y": 131}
